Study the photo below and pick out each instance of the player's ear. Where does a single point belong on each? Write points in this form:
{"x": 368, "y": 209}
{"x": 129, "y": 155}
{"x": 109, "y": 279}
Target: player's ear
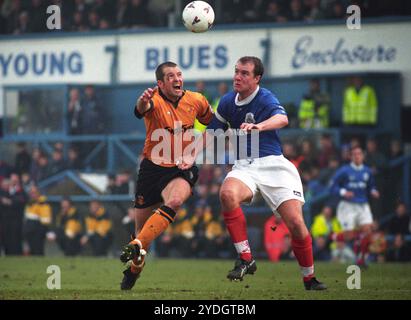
{"x": 258, "y": 78}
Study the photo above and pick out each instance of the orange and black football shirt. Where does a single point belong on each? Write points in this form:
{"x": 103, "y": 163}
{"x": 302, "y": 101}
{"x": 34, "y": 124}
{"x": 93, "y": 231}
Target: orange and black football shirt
{"x": 167, "y": 121}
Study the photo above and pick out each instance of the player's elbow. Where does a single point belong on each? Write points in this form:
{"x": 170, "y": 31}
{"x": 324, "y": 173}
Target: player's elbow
{"x": 284, "y": 121}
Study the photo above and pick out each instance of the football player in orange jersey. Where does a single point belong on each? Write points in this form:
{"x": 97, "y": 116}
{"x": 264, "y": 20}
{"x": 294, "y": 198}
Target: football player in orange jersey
{"x": 161, "y": 186}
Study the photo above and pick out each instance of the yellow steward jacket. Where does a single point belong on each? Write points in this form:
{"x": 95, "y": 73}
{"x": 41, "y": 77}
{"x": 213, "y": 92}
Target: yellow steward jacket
{"x": 99, "y": 223}
{"x": 70, "y": 223}
{"x": 40, "y": 211}
{"x": 360, "y": 107}
{"x": 321, "y": 228}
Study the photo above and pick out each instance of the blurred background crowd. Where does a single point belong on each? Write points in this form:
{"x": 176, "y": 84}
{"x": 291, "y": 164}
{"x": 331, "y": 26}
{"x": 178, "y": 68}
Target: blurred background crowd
{"x": 29, "y": 221}
{"x": 28, "y": 16}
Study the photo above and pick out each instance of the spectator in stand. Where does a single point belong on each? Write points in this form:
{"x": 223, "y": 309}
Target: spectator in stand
{"x": 23, "y": 23}
{"x": 38, "y": 217}
{"x": 104, "y": 9}
{"x": 12, "y": 202}
{"x": 128, "y": 222}
{"x": 323, "y": 226}
{"x": 327, "y": 173}
{"x": 93, "y": 20}
{"x": 314, "y": 108}
{"x": 38, "y": 16}
{"x": 91, "y": 112}
{"x": 273, "y": 13}
{"x": 81, "y": 6}
{"x": 181, "y": 235}
{"x": 296, "y": 11}
{"x": 74, "y": 111}
{"x": 74, "y": 161}
{"x": 399, "y": 250}
{"x": 378, "y": 164}
{"x": 345, "y": 154}
{"x": 222, "y": 89}
{"x": 290, "y": 152}
{"x": 336, "y": 11}
{"x": 360, "y": 106}
{"x": 5, "y": 170}
{"x": 309, "y": 153}
{"x": 121, "y": 14}
{"x": 104, "y": 24}
{"x": 314, "y": 11}
{"x": 400, "y": 222}
{"x": 41, "y": 169}
{"x": 159, "y": 11}
{"x": 99, "y": 229}
{"x": 26, "y": 182}
{"x": 78, "y": 23}
{"x": 137, "y": 15}
{"x": 12, "y": 14}
{"x": 394, "y": 175}
{"x": 58, "y": 164}
{"x": 327, "y": 151}
{"x": 22, "y": 161}
{"x": 69, "y": 228}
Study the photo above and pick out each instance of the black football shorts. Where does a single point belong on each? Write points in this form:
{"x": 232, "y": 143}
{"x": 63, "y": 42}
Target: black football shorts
{"x": 152, "y": 179}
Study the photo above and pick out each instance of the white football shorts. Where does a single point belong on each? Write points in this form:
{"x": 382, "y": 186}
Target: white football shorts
{"x": 352, "y": 215}
{"x": 274, "y": 177}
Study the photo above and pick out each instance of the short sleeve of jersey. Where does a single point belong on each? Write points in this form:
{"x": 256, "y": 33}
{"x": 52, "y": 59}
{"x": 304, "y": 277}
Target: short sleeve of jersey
{"x": 221, "y": 116}
{"x": 205, "y": 113}
{"x": 139, "y": 115}
{"x": 273, "y": 106}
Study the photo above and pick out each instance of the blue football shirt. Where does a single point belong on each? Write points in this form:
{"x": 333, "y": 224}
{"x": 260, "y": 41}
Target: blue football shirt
{"x": 260, "y": 106}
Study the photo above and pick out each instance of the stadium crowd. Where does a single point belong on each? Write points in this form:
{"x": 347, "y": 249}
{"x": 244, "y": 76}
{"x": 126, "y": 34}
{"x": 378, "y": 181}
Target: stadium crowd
{"x": 29, "y": 16}
{"x": 27, "y": 218}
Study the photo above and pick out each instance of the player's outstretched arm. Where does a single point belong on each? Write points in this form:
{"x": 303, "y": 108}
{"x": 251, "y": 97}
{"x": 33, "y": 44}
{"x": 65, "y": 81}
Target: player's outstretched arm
{"x": 277, "y": 121}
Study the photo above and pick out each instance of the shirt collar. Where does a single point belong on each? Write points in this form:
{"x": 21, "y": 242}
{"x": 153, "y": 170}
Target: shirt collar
{"x": 174, "y": 103}
{"x": 246, "y": 100}
{"x": 355, "y": 167}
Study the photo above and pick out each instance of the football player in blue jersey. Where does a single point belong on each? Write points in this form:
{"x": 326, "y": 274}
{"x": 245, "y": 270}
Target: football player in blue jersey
{"x": 250, "y": 108}
{"x": 354, "y": 183}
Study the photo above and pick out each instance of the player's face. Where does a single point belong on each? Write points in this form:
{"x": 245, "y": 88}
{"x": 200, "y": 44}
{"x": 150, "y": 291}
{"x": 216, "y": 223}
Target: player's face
{"x": 357, "y": 156}
{"x": 245, "y": 82}
{"x": 172, "y": 83}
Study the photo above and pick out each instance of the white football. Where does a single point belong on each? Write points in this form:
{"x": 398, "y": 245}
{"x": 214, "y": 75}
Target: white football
{"x": 198, "y": 16}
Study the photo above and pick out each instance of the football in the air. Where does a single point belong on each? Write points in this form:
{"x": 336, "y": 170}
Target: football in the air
{"x": 198, "y": 16}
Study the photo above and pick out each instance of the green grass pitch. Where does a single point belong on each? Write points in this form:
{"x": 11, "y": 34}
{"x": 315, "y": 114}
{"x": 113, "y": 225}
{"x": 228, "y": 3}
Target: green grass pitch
{"x": 182, "y": 279}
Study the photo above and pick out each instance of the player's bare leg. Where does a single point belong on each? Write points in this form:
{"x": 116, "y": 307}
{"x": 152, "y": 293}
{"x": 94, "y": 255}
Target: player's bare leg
{"x": 232, "y": 193}
{"x": 301, "y": 242}
{"x": 174, "y": 194}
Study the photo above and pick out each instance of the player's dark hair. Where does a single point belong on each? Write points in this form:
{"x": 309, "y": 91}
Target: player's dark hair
{"x": 352, "y": 148}
{"x": 258, "y": 65}
{"x": 160, "y": 68}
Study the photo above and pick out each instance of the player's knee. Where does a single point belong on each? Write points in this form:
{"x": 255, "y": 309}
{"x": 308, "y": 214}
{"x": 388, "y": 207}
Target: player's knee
{"x": 297, "y": 228}
{"x": 175, "y": 203}
{"x": 228, "y": 197}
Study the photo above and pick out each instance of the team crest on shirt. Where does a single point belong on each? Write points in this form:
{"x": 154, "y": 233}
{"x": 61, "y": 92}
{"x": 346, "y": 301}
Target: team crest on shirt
{"x": 249, "y": 118}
